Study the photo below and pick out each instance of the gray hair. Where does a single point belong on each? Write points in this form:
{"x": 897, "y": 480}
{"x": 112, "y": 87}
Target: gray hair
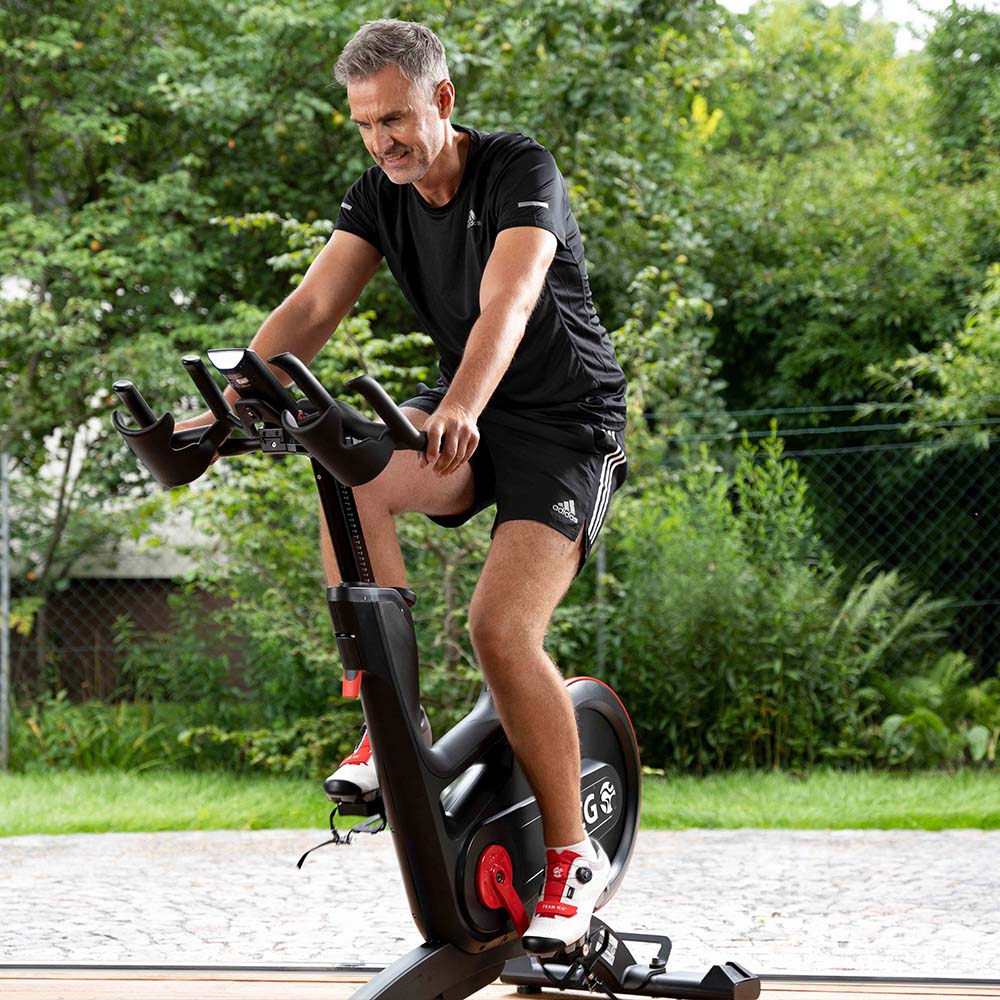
{"x": 413, "y": 47}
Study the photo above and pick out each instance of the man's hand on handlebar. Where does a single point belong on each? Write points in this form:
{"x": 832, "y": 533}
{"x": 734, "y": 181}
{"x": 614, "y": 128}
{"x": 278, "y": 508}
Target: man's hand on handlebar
{"x": 452, "y": 438}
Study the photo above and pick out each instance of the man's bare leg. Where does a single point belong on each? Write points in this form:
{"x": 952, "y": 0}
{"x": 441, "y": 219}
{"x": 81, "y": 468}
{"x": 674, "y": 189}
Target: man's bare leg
{"x": 528, "y": 571}
{"x": 403, "y": 486}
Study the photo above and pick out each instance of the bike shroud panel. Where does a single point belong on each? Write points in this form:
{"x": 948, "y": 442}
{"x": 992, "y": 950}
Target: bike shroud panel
{"x": 448, "y": 803}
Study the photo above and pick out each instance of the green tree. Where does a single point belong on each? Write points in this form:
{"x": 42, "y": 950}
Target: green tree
{"x": 823, "y": 256}
{"x": 801, "y": 74}
{"x": 950, "y": 393}
{"x": 830, "y": 263}
{"x": 963, "y": 70}
{"x": 125, "y": 130}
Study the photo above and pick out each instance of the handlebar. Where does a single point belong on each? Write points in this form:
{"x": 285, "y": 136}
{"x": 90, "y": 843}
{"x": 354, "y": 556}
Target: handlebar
{"x": 351, "y": 447}
{"x": 354, "y": 449}
{"x": 403, "y": 432}
{"x": 206, "y": 385}
{"x": 134, "y": 402}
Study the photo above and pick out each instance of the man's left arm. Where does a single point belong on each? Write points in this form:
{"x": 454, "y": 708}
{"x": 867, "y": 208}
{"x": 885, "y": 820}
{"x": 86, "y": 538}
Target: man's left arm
{"x": 512, "y": 282}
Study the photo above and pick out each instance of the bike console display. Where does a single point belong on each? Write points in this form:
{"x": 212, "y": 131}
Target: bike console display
{"x": 262, "y": 397}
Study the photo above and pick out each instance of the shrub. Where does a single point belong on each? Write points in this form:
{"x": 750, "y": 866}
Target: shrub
{"x": 936, "y": 718}
{"x": 93, "y": 736}
{"x": 732, "y": 642}
{"x": 142, "y": 736}
{"x": 176, "y": 665}
{"x": 304, "y": 748}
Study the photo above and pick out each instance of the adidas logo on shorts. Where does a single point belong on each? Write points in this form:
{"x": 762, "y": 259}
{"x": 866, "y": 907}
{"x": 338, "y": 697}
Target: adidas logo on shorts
{"x": 567, "y": 508}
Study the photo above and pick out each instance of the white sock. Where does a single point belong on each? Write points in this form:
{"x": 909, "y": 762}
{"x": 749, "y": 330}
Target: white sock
{"x": 585, "y": 849}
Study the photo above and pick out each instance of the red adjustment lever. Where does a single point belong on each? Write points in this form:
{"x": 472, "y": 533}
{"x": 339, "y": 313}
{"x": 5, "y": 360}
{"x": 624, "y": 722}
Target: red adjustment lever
{"x": 351, "y": 687}
{"x": 495, "y": 885}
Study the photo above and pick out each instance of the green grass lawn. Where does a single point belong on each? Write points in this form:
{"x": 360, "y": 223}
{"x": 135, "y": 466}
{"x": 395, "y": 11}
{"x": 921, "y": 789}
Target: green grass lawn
{"x": 77, "y": 802}
{"x": 102, "y": 801}
{"x": 825, "y": 800}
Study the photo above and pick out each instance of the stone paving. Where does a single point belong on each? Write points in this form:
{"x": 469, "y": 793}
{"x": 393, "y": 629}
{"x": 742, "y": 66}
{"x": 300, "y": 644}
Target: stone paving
{"x": 880, "y": 903}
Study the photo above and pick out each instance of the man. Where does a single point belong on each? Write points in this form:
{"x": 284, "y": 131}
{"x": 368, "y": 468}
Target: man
{"x": 528, "y": 413}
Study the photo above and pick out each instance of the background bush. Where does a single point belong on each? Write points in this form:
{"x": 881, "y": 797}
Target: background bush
{"x": 733, "y": 642}
{"x": 94, "y": 736}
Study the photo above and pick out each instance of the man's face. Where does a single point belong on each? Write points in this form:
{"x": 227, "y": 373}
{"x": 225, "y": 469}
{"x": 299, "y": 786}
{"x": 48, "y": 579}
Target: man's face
{"x": 402, "y": 127}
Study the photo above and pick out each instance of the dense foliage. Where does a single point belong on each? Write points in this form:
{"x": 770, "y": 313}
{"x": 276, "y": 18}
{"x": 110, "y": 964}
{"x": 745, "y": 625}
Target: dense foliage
{"x": 778, "y": 211}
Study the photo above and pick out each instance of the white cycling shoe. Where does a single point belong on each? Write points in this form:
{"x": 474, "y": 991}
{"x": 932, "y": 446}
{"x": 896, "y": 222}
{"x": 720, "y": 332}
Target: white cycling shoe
{"x": 355, "y": 780}
{"x": 573, "y": 884}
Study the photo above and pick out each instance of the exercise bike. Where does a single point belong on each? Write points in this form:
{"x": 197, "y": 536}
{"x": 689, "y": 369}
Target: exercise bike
{"x": 465, "y": 824}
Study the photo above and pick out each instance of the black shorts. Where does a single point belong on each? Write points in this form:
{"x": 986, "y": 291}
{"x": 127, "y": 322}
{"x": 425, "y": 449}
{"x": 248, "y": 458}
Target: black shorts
{"x": 560, "y": 475}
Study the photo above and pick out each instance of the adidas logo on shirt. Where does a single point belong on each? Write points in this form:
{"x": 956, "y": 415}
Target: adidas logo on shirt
{"x": 473, "y": 221}
{"x": 567, "y": 508}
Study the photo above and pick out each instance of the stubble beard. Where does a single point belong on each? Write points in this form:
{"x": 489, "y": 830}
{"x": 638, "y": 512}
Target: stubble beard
{"x": 410, "y": 169}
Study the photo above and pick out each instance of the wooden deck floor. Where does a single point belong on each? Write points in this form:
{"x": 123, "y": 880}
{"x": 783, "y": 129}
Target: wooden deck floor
{"x": 51, "y": 983}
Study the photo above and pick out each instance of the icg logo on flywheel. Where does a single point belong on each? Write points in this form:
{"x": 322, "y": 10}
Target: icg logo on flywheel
{"x": 600, "y": 805}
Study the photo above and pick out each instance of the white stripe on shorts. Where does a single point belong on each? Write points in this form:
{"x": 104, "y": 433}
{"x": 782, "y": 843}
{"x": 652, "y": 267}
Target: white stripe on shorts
{"x": 604, "y": 491}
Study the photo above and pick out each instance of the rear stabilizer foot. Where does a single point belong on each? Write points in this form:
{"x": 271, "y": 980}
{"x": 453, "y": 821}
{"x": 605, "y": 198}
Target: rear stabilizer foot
{"x": 605, "y": 961}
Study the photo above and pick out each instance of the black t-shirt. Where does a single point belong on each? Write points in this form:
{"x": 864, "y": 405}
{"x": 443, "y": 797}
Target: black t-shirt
{"x": 565, "y": 369}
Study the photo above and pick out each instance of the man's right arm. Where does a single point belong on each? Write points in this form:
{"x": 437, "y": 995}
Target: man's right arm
{"x": 304, "y": 322}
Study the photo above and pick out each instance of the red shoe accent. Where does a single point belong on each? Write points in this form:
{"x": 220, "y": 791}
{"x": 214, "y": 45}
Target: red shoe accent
{"x": 362, "y": 754}
{"x": 557, "y": 867}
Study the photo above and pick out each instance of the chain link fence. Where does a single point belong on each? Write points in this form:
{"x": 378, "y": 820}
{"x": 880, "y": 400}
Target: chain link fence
{"x": 929, "y": 510}
{"x": 74, "y": 640}
{"x": 933, "y": 519}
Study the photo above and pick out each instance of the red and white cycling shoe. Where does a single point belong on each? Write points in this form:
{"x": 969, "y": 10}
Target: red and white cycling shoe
{"x": 355, "y": 780}
{"x": 573, "y": 884}
{"x": 356, "y": 777}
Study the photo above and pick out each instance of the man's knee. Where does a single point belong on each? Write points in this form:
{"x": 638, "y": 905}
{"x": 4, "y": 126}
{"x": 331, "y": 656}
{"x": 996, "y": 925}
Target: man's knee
{"x": 387, "y": 492}
{"x": 404, "y": 486}
{"x": 503, "y": 636}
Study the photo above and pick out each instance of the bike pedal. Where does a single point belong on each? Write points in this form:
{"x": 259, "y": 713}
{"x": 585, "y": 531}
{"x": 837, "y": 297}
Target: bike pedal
{"x": 374, "y": 824}
{"x": 548, "y": 951}
{"x": 366, "y": 805}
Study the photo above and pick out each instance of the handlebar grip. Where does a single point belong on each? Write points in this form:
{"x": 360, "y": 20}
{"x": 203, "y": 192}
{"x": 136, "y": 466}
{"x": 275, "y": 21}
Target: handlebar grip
{"x": 403, "y": 432}
{"x": 208, "y": 387}
{"x": 304, "y": 379}
{"x": 327, "y": 439}
{"x": 132, "y": 401}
